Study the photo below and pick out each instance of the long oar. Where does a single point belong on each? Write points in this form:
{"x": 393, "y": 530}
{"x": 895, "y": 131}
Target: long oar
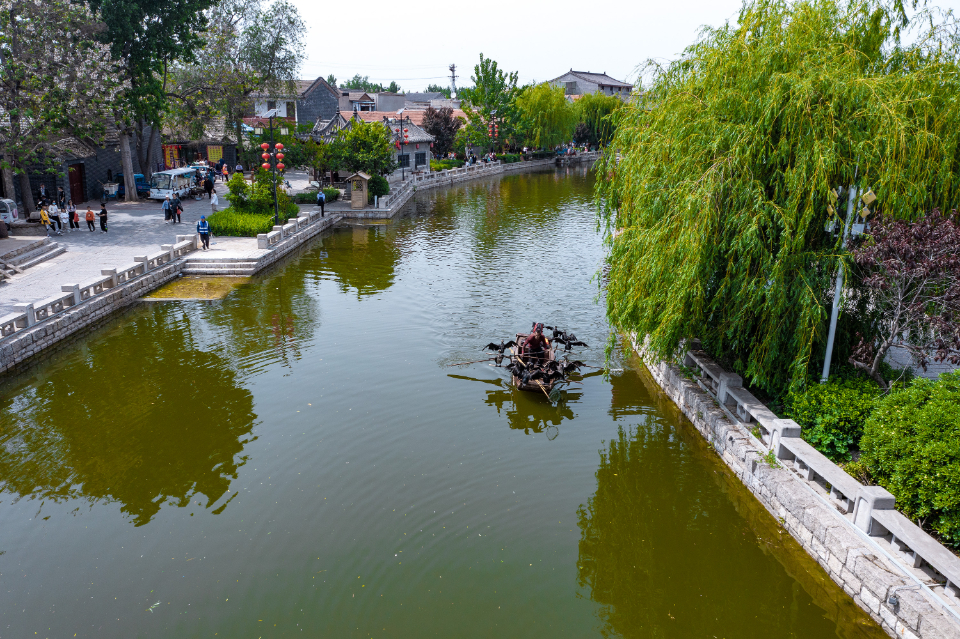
{"x": 474, "y": 362}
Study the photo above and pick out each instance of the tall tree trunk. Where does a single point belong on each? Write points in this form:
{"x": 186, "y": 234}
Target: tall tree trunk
{"x": 26, "y": 193}
{"x": 8, "y": 188}
{"x": 145, "y": 148}
{"x": 126, "y": 161}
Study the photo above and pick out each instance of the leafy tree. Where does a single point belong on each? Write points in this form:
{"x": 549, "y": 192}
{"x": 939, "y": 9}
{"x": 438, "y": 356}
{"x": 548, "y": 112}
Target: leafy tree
{"x": 597, "y": 111}
{"x": 332, "y": 80}
{"x": 55, "y": 79}
{"x": 718, "y": 199}
{"x": 436, "y": 88}
{"x": 911, "y": 276}
{"x": 442, "y": 125}
{"x": 393, "y": 88}
{"x": 492, "y": 98}
{"x": 546, "y": 117}
{"x": 582, "y": 134}
{"x": 145, "y": 36}
{"x": 365, "y": 146}
{"x": 249, "y": 48}
{"x": 363, "y": 83}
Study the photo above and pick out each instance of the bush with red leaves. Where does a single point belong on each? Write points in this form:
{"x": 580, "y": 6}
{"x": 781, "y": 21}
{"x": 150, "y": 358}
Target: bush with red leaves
{"x": 911, "y": 275}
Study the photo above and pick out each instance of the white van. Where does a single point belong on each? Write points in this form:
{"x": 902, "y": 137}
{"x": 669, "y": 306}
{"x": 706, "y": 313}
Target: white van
{"x": 174, "y": 181}
{"x": 8, "y": 211}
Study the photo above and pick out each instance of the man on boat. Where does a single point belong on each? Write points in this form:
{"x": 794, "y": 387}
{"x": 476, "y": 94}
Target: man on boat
{"x": 536, "y": 345}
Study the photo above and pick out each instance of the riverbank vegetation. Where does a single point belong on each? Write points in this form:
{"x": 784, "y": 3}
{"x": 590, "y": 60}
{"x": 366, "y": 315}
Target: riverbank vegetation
{"x": 251, "y": 209}
{"x": 717, "y": 203}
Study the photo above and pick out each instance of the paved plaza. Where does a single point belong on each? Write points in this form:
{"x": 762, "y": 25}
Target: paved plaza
{"x": 134, "y": 229}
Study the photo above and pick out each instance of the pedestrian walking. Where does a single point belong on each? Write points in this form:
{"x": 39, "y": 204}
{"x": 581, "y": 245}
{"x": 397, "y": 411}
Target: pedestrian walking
{"x": 214, "y": 200}
{"x": 103, "y": 218}
{"x": 54, "y": 214}
{"x": 321, "y": 200}
{"x": 45, "y": 220}
{"x": 177, "y": 208}
{"x": 208, "y": 187}
{"x": 61, "y": 198}
{"x": 89, "y": 217}
{"x": 167, "y": 208}
{"x": 73, "y": 216}
{"x": 203, "y": 228}
{"x": 225, "y": 172}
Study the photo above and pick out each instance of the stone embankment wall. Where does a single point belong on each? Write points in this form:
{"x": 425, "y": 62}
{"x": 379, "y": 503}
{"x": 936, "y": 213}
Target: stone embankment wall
{"x": 42, "y": 325}
{"x": 391, "y": 204}
{"x": 904, "y": 583}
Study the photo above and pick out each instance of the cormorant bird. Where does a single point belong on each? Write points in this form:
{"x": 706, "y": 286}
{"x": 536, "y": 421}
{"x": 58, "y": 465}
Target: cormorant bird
{"x": 498, "y": 347}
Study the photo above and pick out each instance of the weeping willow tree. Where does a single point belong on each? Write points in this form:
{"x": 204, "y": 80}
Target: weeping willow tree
{"x": 716, "y": 201}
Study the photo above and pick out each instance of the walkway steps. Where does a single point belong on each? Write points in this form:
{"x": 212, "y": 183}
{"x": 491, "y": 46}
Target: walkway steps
{"x": 30, "y": 255}
{"x": 225, "y": 266}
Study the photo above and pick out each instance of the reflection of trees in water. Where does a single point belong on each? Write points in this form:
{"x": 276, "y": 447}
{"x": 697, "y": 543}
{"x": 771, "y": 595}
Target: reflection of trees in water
{"x": 277, "y": 310}
{"x": 141, "y": 416}
{"x": 363, "y": 258}
{"x": 666, "y": 555}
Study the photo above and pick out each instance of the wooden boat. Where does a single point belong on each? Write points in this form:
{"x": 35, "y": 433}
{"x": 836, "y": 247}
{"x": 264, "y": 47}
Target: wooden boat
{"x": 536, "y": 386}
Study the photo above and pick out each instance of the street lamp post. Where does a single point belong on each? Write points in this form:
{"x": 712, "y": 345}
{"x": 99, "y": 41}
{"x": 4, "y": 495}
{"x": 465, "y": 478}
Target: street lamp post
{"x": 273, "y": 161}
{"x": 401, "y": 142}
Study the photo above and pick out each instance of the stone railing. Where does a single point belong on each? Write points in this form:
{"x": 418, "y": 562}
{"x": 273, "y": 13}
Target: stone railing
{"x": 868, "y": 509}
{"x": 73, "y": 295}
{"x": 292, "y": 227}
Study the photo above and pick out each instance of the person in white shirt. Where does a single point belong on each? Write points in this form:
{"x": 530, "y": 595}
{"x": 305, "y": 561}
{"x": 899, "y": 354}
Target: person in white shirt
{"x": 214, "y": 200}
{"x": 64, "y": 217}
{"x": 54, "y": 212}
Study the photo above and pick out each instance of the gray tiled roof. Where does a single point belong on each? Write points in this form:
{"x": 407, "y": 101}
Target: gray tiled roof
{"x": 424, "y": 97}
{"x": 599, "y": 78}
{"x": 415, "y": 135}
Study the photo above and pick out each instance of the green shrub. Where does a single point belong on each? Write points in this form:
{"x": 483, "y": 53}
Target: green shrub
{"x": 911, "y": 444}
{"x": 379, "y": 186}
{"x": 509, "y": 158}
{"x": 442, "y": 165}
{"x": 832, "y": 415}
{"x": 234, "y": 223}
{"x": 310, "y": 197}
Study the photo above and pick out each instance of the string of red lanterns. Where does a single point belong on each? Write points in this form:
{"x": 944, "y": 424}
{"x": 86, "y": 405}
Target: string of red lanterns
{"x": 268, "y": 155}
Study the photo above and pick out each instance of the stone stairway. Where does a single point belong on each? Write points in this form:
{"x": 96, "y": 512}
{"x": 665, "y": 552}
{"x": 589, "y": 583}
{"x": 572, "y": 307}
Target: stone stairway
{"x": 30, "y": 255}
{"x": 224, "y": 266}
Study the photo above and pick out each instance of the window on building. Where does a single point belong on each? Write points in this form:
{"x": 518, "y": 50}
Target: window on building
{"x": 271, "y": 105}
{"x": 404, "y": 160}
{"x": 420, "y": 159}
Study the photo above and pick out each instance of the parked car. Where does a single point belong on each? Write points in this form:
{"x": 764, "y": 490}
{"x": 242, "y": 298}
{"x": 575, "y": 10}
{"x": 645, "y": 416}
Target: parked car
{"x": 143, "y": 187}
{"x": 8, "y": 212}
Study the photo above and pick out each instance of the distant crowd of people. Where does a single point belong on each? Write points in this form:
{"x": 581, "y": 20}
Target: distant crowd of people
{"x": 57, "y": 212}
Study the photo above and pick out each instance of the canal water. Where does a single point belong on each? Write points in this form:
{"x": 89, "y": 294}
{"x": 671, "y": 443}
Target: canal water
{"x": 299, "y": 459}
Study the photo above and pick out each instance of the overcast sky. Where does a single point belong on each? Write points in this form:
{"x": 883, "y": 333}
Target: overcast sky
{"x": 414, "y": 43}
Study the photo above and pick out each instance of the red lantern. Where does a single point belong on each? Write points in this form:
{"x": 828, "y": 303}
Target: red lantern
{"x": 265, "y": 156}
{"x": 279, "y": 156}
{"x": 431, "y": 145}
{"x": 279, "y": 146}
{"x": 280, "y": 166}
{"x": 418, "y": 146}
{"x": 266, "y": 166}
{"x": 405, "y": 130}
{"x": 264, "y": 146}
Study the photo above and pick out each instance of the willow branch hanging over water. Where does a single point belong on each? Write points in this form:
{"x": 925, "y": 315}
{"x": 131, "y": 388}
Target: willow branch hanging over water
{"x": 716, "y": 207}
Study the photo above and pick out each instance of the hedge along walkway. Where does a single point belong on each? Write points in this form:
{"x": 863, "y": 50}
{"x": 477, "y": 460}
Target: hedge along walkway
{"x": 135, "y": 229}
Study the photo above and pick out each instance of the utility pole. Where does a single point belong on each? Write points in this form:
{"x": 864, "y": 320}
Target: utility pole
{"x": 852, "y": 193}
